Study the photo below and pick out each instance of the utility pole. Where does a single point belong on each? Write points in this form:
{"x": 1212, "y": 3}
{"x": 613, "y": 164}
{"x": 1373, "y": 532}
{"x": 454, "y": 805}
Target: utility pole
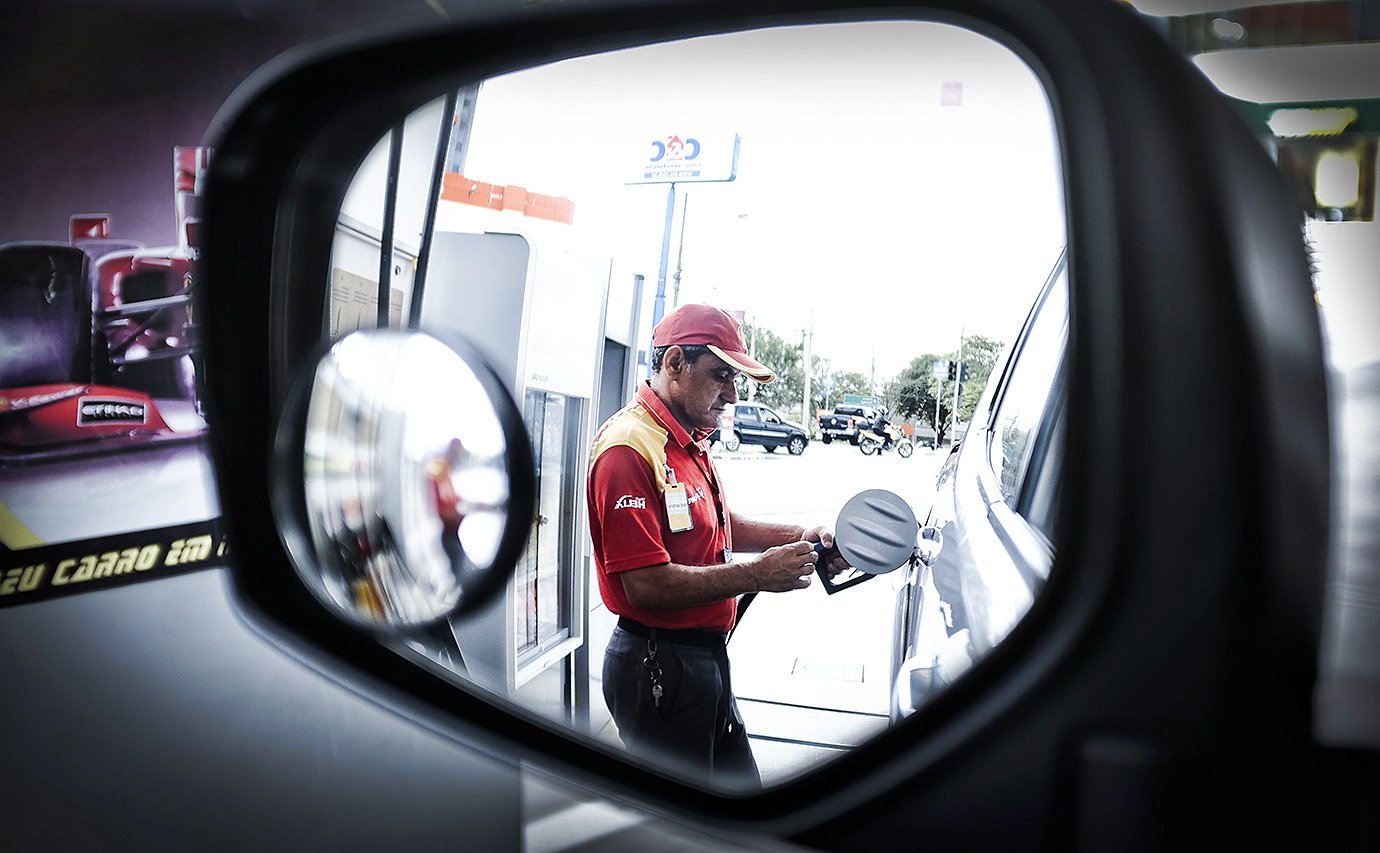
{"x": 938, "y": 392}
{"x": 958, "y": 378}
{"x": 808, "y": 337}
{"x": 680, "y": 250}
{"x": 752, "y": 351}
{"x": 659, "y": 302}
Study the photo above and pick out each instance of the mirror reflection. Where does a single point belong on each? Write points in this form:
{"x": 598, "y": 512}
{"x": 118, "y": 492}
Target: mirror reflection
{"x": 405, "y": 483}
{"x": 734, "y": 282}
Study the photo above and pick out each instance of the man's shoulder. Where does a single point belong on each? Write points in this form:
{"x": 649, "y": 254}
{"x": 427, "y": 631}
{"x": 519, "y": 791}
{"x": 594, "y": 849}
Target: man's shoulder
{"x": 633, "y": 426}
{"x": 630, "y": 423}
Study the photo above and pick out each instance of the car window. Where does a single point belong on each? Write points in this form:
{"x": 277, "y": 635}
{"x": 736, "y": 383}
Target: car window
{"x": 1040, "y": 493}
{"x": 1026, "y": 397}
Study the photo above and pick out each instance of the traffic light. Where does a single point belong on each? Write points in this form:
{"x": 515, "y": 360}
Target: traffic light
{"x": 953, "y": 369}
{"x": 963, "y": 372}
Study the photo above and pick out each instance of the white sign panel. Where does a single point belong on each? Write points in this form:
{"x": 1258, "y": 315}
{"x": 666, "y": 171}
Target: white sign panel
{"x": 563, "y": 324}
{"x": 684, "y": 158}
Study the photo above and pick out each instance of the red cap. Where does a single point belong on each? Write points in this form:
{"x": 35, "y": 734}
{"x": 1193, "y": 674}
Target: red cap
{"x": 714, "y": 328}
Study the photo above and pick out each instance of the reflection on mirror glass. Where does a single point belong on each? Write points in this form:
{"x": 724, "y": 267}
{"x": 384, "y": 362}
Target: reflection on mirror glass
{"x": 877, "y": 211}
{"x": 405, "y": 483}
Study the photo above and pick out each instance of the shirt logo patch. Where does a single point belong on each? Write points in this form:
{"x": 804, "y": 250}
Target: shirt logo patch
{"x": 630, "y": 502}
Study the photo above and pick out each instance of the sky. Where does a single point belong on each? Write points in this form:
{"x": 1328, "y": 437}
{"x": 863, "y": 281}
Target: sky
{"x": 898, "y": 184}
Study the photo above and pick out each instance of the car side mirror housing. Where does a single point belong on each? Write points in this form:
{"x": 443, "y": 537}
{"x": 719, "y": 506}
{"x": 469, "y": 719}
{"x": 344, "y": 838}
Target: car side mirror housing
{"x": 280, "y": 404}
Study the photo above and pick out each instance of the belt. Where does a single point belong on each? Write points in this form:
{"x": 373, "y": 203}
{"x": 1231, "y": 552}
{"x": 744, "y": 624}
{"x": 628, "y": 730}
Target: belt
{"x": 701, "y": 637}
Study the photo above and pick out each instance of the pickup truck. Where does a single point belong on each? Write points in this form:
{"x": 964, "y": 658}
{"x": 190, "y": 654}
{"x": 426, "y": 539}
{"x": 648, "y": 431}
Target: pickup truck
{"x": 844, "y": 422}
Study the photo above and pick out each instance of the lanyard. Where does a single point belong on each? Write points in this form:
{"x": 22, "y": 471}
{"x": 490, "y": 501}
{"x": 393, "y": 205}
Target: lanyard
{"x": 710, "y": 476}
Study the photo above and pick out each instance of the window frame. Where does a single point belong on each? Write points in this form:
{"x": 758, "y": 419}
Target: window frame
{"x": 1029, "y": 547}
{"x": 1037, "y": 441}
{"x": 528, "y": 661}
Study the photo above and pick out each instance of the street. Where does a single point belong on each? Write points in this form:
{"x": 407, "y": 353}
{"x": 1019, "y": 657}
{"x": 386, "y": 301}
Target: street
{"x": 812, "y": 670}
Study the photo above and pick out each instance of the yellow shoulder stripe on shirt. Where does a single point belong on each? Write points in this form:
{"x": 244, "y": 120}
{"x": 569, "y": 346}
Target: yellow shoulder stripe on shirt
{"x": 635, "y": 427}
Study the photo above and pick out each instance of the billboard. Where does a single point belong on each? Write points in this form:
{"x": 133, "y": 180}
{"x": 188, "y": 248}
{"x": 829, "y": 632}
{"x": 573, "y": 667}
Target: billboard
{"x": 684, "y": 158}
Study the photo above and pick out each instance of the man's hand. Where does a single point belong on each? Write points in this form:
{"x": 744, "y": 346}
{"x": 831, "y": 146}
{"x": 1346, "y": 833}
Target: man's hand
{"x": 785, "y": 567}
{"x": 825, "y": 537}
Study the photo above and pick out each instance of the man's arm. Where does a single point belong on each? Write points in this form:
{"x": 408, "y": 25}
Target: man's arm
{"x": 752, "y": 536}
{"x": 671, "y": 585}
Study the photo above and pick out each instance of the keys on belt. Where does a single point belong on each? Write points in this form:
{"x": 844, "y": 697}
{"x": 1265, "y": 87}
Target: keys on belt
{"x": 653, "y": 673}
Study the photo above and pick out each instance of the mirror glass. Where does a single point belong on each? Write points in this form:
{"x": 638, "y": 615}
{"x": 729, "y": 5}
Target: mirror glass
{"x": 405, "y": 479}
{"x": 879, "y": 208}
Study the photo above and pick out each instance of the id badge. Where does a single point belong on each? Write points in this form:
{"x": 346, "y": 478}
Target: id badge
{"x": 678, "y": 508}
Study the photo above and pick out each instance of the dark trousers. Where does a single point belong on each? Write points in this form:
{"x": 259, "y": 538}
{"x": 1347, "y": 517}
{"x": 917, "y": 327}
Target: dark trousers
{"x": 696, "y": 727}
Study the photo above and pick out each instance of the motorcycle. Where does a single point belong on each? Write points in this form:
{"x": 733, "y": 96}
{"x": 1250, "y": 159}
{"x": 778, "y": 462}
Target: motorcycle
{"x": 871, "y": 442}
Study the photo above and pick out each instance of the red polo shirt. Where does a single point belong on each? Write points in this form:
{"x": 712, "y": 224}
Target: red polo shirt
{"x": 635, "y": 453}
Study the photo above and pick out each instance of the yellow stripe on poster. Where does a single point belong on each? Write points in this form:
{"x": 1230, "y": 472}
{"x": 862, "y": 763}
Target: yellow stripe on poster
{"x": 13, "y": 534}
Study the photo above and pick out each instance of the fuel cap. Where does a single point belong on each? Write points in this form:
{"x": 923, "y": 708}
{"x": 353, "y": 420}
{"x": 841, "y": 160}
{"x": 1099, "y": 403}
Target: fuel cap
{"x": 876, "y": 531}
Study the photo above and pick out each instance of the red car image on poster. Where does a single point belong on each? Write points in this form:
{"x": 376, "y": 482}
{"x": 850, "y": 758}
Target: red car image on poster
{"x": 72, "y": 419}
{"x": 101, "y": 337}
{"x": 101, "y": 429}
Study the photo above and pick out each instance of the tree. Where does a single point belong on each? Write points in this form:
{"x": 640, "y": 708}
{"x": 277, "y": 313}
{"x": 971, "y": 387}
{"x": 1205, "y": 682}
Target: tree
{"x": 913, "y": 391}
{"x": 832, "y": 385}
{"x": 980, "y": 354}
{"x": 786, "y": 359}
{"x": 850, "y": 382}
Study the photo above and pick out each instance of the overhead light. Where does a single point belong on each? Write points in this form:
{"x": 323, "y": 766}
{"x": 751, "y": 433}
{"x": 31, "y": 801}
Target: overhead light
{"x": 1228, "y": 30}
{"x": 1337, "y": 179}
{"x": 1312, "y": 121}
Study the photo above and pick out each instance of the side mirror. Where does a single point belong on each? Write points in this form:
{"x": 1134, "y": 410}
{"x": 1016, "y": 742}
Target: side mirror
{"x": 466, "y": 605}
{"x": 404, "y": 479}
{"x": 277, "y": 195}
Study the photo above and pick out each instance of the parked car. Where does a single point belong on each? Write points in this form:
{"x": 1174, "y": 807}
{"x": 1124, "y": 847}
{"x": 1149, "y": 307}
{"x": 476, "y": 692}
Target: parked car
{"x": 996, "y": 498}
{"x": 752, "y": 423}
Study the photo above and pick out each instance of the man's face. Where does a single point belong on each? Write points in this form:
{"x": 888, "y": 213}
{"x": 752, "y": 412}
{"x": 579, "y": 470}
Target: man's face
{"x": 701, "y": 391}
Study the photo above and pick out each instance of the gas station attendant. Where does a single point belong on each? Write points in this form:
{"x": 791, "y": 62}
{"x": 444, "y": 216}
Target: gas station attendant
{"x": 664, "y": 538}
